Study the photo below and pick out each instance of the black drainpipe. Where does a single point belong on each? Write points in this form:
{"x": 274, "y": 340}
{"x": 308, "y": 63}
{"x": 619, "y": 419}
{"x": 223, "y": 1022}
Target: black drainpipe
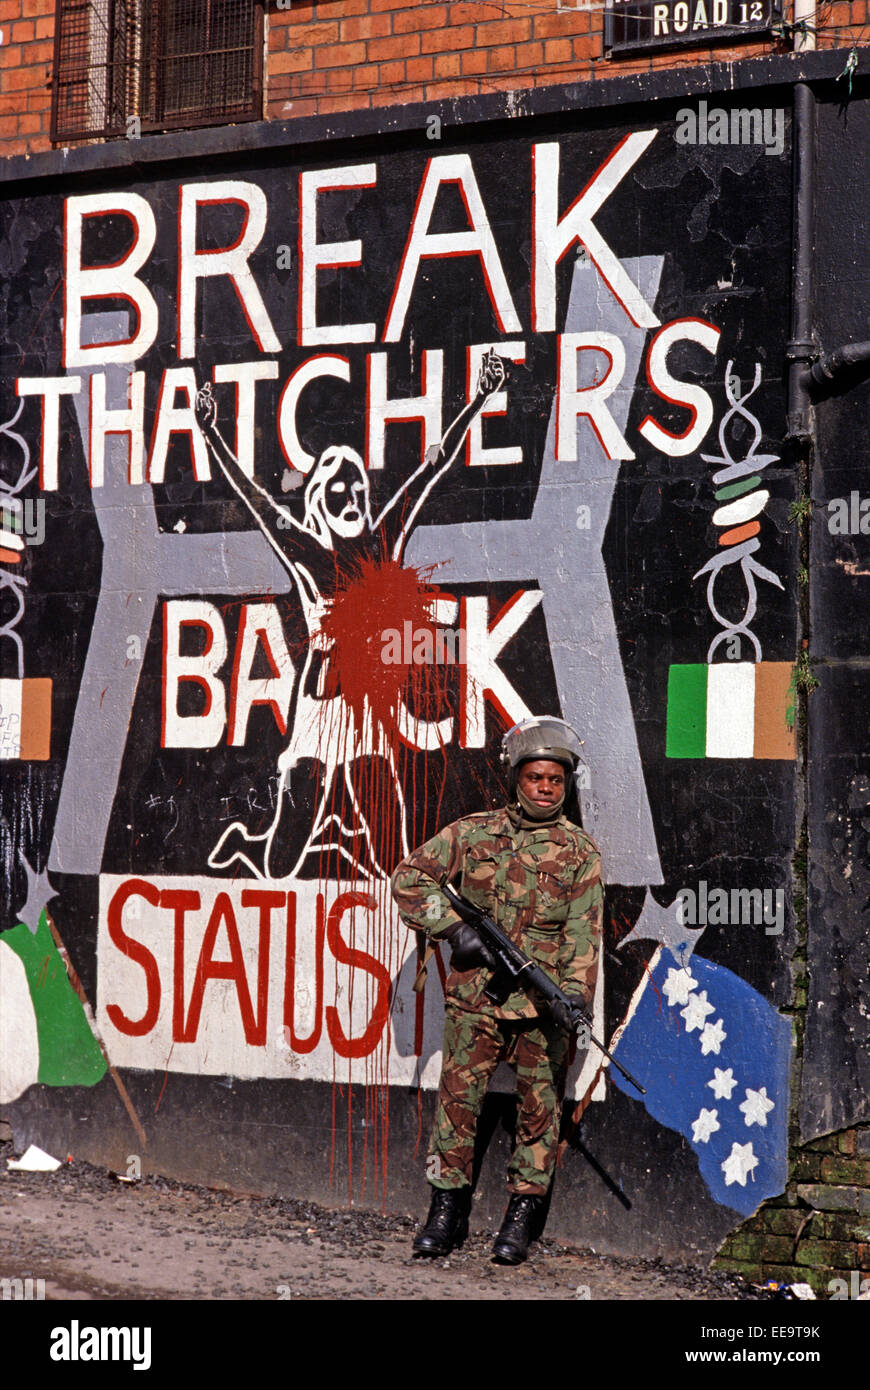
{"x": 801, "y": 350}
{"x": 811, "y": 372}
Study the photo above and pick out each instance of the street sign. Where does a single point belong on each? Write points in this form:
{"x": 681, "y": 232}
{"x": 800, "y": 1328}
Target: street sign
{"x": 632, "y": 25}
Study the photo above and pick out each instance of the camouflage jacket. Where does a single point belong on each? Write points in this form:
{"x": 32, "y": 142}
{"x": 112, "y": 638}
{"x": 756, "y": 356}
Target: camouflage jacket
{"x": 542, "y": 886}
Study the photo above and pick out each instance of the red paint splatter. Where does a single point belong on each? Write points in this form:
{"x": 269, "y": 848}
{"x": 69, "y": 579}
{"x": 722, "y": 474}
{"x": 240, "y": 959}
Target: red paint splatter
{"x": 387, "y": 660}
{"x": 381, "y": 630}
{"x": 390, "y": 663}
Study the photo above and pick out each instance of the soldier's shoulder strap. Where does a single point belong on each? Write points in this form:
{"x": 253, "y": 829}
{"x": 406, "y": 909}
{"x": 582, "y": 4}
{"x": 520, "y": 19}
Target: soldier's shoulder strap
{"x": 424, "y": 956}
{"x": 496, "y": 822}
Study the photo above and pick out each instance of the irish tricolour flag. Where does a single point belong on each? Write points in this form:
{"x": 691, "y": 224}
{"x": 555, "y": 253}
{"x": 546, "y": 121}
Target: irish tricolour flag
{"x": 733, "y": 709}
{"x": 25, "y": 719}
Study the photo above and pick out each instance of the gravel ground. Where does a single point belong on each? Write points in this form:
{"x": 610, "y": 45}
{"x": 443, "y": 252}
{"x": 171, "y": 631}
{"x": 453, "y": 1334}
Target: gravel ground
{"x": 90, "y": 1236}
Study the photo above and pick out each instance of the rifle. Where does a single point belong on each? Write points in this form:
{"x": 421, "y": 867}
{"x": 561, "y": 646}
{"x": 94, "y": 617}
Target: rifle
{"x": 514, "y": 969}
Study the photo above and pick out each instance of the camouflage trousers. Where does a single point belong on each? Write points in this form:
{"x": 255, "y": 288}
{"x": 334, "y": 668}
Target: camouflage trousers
{"x": 474, "y": 1044}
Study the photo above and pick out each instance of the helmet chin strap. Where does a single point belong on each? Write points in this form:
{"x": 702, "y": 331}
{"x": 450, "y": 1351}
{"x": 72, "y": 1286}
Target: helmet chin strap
{"x": 536, "y": 812}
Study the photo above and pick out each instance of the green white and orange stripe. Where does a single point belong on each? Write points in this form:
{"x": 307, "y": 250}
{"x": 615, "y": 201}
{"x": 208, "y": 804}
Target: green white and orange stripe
{"x": 735, "y": 709}
{"x": 739, "y": 516}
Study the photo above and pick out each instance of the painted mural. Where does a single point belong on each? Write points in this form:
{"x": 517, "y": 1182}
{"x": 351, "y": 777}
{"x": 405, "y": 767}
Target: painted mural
{"x": 317, "y": 475}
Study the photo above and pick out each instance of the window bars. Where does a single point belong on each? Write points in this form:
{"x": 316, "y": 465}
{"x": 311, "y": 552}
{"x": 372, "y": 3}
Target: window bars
{"x": 126, "y": 67}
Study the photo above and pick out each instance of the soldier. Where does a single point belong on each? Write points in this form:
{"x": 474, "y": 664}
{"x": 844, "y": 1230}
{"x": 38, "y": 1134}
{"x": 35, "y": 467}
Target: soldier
{"x": 539, "y": 876}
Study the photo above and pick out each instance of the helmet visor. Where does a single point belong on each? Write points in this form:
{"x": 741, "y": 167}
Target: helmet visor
{"x": 541, "y": 738}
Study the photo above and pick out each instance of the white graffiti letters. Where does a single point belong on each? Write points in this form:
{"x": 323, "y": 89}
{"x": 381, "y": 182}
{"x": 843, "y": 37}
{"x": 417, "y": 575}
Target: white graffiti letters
{"x": 118, "y": 281}
{"x": 233, "y": 265}
{"x": 554, "y": 235}
{"x": 196, "y": 652}
{"x": 202, "y": 730}
{"x": 483, "y": 676}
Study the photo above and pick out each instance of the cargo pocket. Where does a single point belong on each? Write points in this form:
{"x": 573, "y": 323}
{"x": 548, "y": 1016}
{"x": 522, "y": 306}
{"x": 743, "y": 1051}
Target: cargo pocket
{"x": 478, "y": 880}
{"x": 552, "y": 899}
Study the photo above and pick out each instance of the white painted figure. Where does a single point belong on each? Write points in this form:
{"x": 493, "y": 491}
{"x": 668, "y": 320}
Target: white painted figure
{"x": 335, "y": 534}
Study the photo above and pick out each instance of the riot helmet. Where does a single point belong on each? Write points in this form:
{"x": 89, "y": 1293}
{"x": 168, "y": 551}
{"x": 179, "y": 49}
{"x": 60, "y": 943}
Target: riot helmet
{"x": 541, "y": 737}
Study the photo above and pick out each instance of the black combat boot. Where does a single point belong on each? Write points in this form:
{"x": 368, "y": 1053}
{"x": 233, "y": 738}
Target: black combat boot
{"x": 518, "y": 1228}
{"x": 447, "y": 1223}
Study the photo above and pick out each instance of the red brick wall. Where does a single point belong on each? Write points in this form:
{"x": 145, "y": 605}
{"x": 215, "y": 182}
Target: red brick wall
{"x": 26, "y": 56}
{"x": 337, "y": 55}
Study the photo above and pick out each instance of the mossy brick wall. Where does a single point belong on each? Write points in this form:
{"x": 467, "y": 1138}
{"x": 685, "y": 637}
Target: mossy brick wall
{"x": 338, "y": 55}
{"x": 819, "y": 1229}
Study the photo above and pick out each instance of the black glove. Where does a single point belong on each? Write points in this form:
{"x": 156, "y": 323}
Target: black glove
{"x": 567, "y": 1016}
{"x": 468, "y": 950}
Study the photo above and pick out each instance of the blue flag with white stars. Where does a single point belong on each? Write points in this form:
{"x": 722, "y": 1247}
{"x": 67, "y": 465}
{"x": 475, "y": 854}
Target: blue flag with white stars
{"x": 713, "y": 1055}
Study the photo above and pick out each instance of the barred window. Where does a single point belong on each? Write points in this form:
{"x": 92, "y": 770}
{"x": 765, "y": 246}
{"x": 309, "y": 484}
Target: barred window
{"x": 122, "y": 67}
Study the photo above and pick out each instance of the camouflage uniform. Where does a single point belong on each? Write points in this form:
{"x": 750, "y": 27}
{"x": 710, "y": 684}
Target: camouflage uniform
{"x": 542, "y": 885}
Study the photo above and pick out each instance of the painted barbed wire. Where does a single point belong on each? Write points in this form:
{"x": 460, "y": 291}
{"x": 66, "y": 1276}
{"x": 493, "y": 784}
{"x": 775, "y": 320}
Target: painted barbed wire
{"x": 742, "y": 504}
{"x": 11, "y": 502}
